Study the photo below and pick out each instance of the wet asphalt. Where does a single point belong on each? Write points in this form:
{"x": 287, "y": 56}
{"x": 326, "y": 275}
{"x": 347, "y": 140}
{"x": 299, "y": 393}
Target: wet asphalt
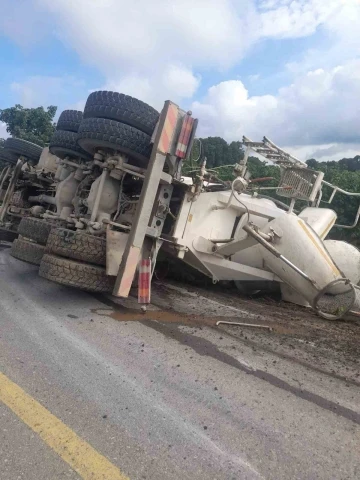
{"x": 162, "y": 398}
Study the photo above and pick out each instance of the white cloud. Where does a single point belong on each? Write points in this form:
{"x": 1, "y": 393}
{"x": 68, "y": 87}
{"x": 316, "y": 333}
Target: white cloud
{"x": 341, "y": 43}
{"x": 47, "y": 90}
{"x": 3, "y": 132}
{"x": 133, "y": 85}
{"x": 294, "y": 18}
{"x": 173, "y": 83}
{"x": 319, "y": 108}
{"x": 158, "y": 46}
{"x": 180, "y": 81}
{"x": 323, "y": 153}
{"x": 148, "y": 49}
{"x": 115, "y": 33}
{"x": 230, "y": 112}
{"x": 154, "y": 51}
{"x": 24, "y": 22}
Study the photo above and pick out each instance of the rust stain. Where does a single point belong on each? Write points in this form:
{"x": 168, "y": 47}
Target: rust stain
{"x": 132, "y": 315}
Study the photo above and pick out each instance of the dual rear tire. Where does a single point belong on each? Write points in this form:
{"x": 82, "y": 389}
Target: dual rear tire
{"x": 76, "y": 259}
{"x": 17, "y": 147}
{"x": 27, "y": 251}
{"x": 91, "y": 278}
{"x": 116, "y": 122}
{"x": 64, "y": 140}
{"x": 66, "y": 257}
{"x": 33, "y": 235}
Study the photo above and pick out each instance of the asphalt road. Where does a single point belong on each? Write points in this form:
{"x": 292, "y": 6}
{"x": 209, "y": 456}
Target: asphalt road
{"x": 161, "y": 399}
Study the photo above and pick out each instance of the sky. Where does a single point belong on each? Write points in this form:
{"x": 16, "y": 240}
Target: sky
{"x": 286, "y": 69}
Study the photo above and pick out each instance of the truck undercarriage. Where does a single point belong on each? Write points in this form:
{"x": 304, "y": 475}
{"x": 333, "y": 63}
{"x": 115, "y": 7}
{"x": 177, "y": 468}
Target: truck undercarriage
{"x": 118, "y": 197}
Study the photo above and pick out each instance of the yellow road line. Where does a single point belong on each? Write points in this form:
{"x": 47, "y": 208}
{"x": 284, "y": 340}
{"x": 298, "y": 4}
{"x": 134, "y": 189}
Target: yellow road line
{"x": 81, "y": 456}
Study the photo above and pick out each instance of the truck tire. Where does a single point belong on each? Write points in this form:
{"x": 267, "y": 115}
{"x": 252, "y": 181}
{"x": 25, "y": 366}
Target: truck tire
{"x": 8, "y": 157}
{"x": 26, "y": 251}
{"x": 75, "y": 274}
{"x": 36, "y": 229}
{"x": 97, "y": 133}
{"x": 122, "y": 108}
{"x": 64, "y": 144}
{"x": 77, "y": 245}
{"x": 69, "y": 120}
{"x": 23, "y": 147}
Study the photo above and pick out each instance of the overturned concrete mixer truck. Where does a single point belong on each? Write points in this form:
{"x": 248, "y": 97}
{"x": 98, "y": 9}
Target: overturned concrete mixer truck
{"x": 130, "y": 200}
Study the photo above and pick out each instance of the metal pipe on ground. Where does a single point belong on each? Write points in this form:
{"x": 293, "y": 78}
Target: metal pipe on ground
{"x": 240, "y": 324}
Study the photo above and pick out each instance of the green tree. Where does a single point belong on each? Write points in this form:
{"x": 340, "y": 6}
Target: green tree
{"x": 218, "y": 152}
{"x": 33, "y": 124}
{"x": 344, "y": 173}
{"x": 235, "y": 152}
{"x": 312, "y": 163}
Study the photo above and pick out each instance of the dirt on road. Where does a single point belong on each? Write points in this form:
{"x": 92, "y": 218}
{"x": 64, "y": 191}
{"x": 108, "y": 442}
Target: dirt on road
{"x": 298, "y": 334}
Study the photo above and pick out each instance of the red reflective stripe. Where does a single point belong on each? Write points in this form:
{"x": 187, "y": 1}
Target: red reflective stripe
{"x": 172, "y": 114}
{"x": 168, "y": 129}
{"x": 182, "y": 133}
{"x": 184, "y": 136}
{"x": 144, "y": 281}
{"x": 187, "y": 131}
{"x": 181, "y": 143}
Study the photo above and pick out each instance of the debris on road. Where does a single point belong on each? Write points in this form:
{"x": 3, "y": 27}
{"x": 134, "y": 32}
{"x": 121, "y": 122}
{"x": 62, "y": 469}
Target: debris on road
{"x": 252, "y": 325}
